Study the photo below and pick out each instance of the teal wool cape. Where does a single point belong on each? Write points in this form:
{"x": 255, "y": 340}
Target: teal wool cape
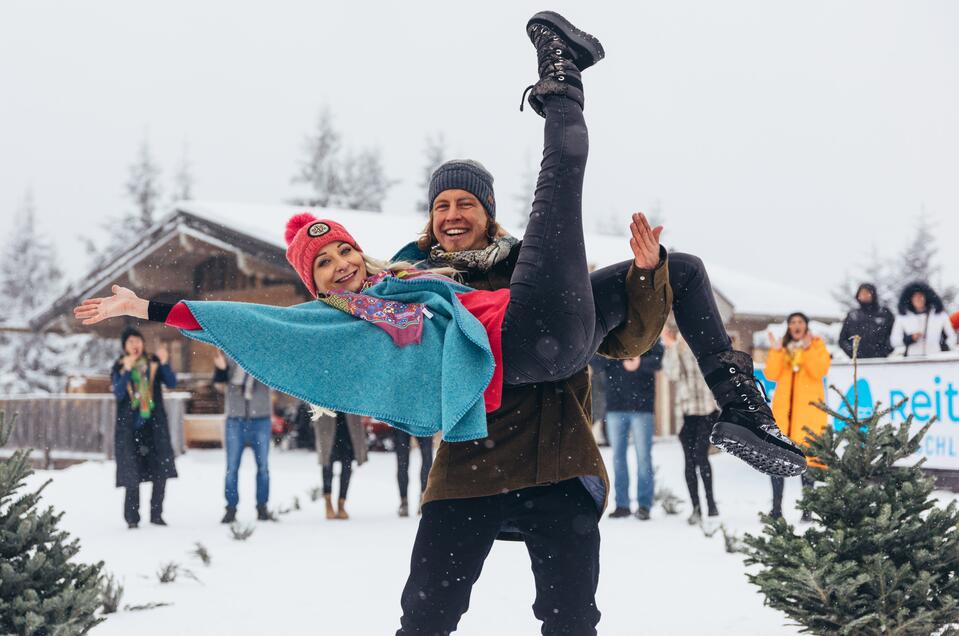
{"x": 329, "y": 358}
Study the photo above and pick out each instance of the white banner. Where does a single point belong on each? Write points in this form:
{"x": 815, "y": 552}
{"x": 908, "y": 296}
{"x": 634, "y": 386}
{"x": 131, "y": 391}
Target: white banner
{"x": 930, "y": 385}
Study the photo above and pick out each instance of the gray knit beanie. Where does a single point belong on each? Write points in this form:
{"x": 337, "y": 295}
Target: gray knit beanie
{"x": 464, "y": 174}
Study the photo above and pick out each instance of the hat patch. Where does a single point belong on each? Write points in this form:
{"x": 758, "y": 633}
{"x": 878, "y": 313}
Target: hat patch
{"x": 318, "y": 229}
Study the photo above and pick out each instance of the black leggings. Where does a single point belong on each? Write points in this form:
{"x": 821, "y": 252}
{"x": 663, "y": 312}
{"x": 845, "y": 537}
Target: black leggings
{"x": 778, "y": 484}
{"x": 402, "y": 444}
{"x": 695, "y": 440}
{"x": 559, "y": 313}
{"x": 550, "y": 321}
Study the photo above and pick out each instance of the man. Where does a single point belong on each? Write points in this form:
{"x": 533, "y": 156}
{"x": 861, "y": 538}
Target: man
{"x": 248, "y": 409}
{"x": 872, "y": 322}
{"x": 538, "y": 476}
{"x": 630, "y": 404}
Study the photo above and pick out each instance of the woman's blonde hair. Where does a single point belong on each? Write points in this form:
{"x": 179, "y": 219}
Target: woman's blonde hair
{"x": 375, "y": 266}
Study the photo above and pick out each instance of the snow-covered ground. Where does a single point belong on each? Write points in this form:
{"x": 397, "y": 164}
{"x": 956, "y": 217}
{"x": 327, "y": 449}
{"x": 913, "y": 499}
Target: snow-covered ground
{"x": 307, "y": 575}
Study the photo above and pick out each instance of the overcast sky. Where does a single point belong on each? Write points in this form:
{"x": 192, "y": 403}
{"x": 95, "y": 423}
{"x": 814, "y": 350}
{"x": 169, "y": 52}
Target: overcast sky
{"x": 779, "y": 138}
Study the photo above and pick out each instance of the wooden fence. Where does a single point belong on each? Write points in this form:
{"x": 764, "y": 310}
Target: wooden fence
{"x": 77, "y": 426}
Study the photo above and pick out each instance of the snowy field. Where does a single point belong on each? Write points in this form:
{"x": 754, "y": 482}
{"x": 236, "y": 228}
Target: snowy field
{"x": 307, "y": 575}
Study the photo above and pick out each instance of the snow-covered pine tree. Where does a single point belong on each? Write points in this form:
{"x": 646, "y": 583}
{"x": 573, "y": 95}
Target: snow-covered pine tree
{"x": 319, "y": 168}
{"x": 882, "y": 558}
{"x": 43, "y": 590}
{"x": 30, "y": 275}
{"x": 183, "y": 181}
{"x": 434, "y": 154}
{"x": 919, "y": 261}
{"x": 143, "y": 189}
{"x": 363, "y": 182}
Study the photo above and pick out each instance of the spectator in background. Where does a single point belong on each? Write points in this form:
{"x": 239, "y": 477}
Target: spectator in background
{"x": 143, "y": 450}
{"x": 699, "y": 414}
{"x": 598, "y": 381}
{"x": 922, "y": 327}
{"x": 401, "y": 443}
{"x": 872, "y": 322}
{"x": 797, "y": 364}
{"x": 339, "y": 438}
{"x": 248, "y": 406}
{"x": 630, "y": 402}
{"x": 954, "y": 321}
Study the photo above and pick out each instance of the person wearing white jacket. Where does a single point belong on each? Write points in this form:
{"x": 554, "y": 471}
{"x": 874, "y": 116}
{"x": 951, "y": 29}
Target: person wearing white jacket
{"x": 922, "y": 327}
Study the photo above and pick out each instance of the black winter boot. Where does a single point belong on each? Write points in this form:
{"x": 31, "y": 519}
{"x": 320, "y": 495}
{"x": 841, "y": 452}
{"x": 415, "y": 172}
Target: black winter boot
{"x": 230, "y": 515}
{"x": 562, "y": 53}
{"x": 263, "y": 514}
{"x": 746, "y": 427}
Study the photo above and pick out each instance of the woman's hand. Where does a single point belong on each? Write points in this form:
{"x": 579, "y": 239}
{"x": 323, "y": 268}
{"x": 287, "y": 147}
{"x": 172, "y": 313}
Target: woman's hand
{"x": 219, "y": 360}
{"x": 807, "y": 340}
{"x": 644, "y": 242}
{"x": 128, "y": 361}
{"x": 669, "y": 338}
{"x": 774, "y": 342}
{"x": 123, "y": 302}
{"x": 163, "y": 354}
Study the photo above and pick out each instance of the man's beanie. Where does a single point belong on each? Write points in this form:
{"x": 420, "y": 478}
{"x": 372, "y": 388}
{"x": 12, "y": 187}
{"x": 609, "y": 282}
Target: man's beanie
{"x": 464, "y": 174}
{"x": 305, "y": 236}
{"x": 129, "y": 332}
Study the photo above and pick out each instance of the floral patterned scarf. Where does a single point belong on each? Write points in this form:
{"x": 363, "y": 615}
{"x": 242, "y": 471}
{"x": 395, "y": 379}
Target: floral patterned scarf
{"x": 403, "y": 321}
{"x": 140, "y": 387}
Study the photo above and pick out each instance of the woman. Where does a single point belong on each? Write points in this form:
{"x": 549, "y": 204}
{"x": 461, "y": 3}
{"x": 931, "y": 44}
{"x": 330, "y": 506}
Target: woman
{"x": 699, "y": 415}
{"x": 142, "y": 448}
{"x": 339, "y": 438}
{"x": 922, "y": 327}
{"x": 798, "y": 364}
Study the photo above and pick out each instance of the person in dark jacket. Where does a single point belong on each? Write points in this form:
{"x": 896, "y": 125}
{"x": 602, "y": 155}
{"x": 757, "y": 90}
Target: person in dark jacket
{"x": 872, "y": 322}
{"x": 248, "y": 406}
{"x": 143, "y": 450}
{"x": 630, "y": 404}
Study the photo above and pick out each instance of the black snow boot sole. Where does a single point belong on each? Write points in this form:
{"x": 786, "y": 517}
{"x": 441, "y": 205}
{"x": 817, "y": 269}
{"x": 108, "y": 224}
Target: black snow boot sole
{"x": 763, "y": 456}
{"x": 588, "y": 48}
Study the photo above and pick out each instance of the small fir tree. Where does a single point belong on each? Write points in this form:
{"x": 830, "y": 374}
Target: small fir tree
{"x": 43, "y": 590}
{"x": 881, "y": 557}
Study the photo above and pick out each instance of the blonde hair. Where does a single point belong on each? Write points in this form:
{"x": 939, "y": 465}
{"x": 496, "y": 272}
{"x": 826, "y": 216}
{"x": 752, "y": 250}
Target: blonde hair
{"x": 375, "y": 266}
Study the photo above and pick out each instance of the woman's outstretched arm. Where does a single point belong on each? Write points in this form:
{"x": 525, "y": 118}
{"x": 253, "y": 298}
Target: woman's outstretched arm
{"x": 125, "y": 302}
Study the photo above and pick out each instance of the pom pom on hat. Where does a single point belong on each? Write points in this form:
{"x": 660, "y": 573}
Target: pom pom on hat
{"x": 295, "y": 223}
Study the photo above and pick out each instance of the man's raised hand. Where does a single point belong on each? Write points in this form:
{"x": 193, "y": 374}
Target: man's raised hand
{"x": 644, "y": 242}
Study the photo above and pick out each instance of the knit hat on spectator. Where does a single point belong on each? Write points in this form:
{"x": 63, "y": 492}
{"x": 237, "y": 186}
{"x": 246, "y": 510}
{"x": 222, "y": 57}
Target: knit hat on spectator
{"x": 129, "y": 332}
{"x": 306, "y": 235}
{"x": 464, "y": 174}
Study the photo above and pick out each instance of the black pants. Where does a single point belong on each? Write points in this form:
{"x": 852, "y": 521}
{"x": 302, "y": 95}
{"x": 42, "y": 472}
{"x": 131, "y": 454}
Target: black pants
{"x": 131, "y": 502}
{"x": 778, "y": 484}
{"x": 401, "y": 443}
{"x": 558, "y": 313}
{"x": 694, "y": 437}
{"x": 342, "y": 452}
{"x": 559, "y": 524}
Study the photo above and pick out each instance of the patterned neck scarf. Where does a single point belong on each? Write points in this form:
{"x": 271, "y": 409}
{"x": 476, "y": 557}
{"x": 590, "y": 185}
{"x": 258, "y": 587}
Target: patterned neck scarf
{"x": 403, "y": 321}
{"x": 140, "y": 388}
{"x": 475, "y": 260}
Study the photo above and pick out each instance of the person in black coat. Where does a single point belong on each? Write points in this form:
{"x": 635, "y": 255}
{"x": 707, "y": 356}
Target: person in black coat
{"x": 143, "y": 450}
{"x": 872, "y": 322}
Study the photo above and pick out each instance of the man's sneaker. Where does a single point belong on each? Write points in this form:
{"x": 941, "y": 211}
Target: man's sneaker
{"x": 404, "y": 509}
{"x": 696, "y": 517}
{"x": 230, "y": 515}
{"x": 642, "y": 513}
{"x": 619, "y": 513}
{"x": 745, "y": 427}
{"x": 713, "y": 510}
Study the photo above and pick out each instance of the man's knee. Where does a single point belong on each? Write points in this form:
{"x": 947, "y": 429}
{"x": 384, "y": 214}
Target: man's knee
{"x": 685, "y": 266}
